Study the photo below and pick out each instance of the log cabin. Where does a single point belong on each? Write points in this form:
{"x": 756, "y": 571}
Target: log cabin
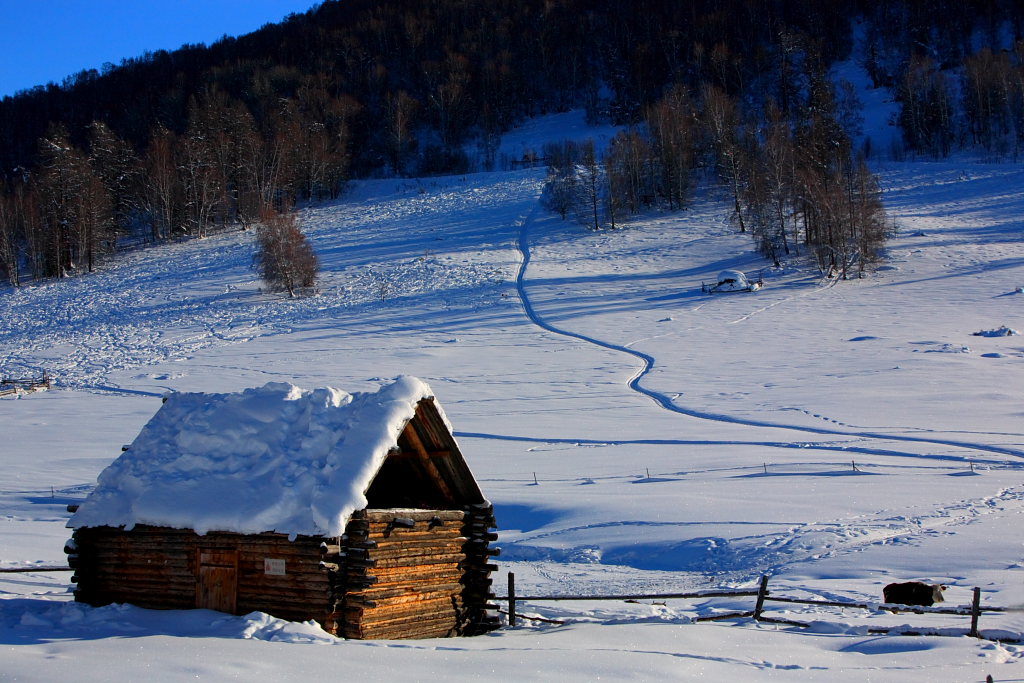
{"x": 357, "y": 511}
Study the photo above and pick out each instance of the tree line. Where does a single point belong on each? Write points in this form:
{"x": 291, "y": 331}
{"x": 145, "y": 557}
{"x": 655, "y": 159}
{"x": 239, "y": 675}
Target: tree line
{"x": 956, "y": 67}
{"x": 427, "y": 76}
{"x": 174, "y": 143}
{"x": 795, "y": 182}
{"x": 988, "y": 112}
{"x": 223, "y": 169}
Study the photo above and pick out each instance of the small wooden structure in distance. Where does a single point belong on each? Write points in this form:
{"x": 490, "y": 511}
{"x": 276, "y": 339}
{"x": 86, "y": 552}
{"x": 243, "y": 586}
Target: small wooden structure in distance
{"x": 10, "y": 386}
{"x": 357, "y": 511}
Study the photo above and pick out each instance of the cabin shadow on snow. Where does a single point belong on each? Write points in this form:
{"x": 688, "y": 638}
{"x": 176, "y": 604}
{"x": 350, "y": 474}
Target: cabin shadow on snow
{"x": 523, "y": 517}
{"x": 690, "y": 555}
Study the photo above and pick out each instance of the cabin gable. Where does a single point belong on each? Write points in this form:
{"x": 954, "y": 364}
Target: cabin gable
{"x": 425, "y": 469}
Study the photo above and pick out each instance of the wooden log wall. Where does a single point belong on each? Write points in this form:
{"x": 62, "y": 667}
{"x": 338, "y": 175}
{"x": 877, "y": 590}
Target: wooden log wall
{"x": 157, "y": 568}
{"x": 395, "y": 573}
{"x": 399, "y": 574}
{"x": 409, "y": 574}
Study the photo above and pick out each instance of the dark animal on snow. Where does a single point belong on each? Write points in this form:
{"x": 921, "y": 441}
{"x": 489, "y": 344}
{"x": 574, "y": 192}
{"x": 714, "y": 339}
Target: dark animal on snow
{"x": 913, "y": 593}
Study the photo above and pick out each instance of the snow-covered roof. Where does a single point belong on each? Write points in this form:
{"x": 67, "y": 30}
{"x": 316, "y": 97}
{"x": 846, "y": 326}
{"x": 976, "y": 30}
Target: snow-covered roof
{"x": 273, "y": 458}
{"x": 735, "y": 275}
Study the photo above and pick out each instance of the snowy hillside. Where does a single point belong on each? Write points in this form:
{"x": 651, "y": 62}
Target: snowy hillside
{"x": 634, "y": 433}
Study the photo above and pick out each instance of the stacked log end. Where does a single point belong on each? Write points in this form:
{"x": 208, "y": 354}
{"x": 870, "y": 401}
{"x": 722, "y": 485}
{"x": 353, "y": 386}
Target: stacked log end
{"x": 481, "y": 613}
{"x": 406, "y": 574}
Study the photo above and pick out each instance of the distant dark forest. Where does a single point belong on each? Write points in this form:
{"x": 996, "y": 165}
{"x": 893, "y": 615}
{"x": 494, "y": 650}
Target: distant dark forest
{"x": 172, "y": 143}
{"x": 384, "y": 69}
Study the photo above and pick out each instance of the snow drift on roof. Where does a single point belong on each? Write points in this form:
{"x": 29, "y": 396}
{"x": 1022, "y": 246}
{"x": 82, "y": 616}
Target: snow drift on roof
{"x": 274, "y": 458}
{"x": 734, "y": 275}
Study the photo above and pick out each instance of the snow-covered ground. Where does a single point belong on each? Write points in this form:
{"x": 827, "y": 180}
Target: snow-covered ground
{"x": 634, "y": 434}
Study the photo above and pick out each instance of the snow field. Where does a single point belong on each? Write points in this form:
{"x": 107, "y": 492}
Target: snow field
{"x": 837, "y": 436}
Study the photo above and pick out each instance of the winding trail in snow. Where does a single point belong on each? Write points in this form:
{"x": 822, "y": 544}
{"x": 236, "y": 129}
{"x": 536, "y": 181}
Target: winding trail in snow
{"x": 648, "y": 362}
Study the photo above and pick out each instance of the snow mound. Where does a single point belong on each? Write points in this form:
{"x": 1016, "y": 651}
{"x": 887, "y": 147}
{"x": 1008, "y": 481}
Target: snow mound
{"x": 949, "y": 348}
{"x": 273, "y": 458}
{"x": 1003, "y": 331}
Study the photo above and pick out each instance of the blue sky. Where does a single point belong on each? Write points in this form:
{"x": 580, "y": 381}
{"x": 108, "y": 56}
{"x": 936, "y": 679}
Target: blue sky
{"x": 47, "y": 40}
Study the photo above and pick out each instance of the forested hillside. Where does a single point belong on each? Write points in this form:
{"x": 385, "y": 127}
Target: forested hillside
{"x": 171, "y": 143}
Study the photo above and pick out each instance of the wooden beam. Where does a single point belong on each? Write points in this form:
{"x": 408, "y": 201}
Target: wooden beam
{"x": 424, "y": 457}
{"x": 397, "y": 453}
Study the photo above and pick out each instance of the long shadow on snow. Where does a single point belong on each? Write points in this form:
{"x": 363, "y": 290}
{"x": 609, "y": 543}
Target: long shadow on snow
{"x": 450, "y": 242}
{"x": 745, "y": 554}
{"x": 974, "y": 270}
{"x": 560, "y": 309}
{"x": 523, "y": 517}
{"x": 801, "y": 446}
{"x": 832, "y": 473}
{"x": 707, "y": 271}
{"x": 703, "y": 554}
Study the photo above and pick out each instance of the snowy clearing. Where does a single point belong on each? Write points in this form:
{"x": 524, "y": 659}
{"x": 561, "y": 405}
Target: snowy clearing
{"x": 634, "y": 433}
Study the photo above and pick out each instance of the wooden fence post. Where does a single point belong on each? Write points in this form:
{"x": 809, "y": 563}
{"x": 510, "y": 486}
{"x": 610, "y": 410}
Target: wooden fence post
{"x": 975, "y": 612}
{"x": 761, "y": 592}
{"x": 511, "y": 599}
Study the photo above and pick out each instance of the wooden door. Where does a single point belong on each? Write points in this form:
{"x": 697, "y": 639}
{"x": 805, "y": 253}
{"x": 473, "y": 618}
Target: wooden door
{"x": 217, "y": 579}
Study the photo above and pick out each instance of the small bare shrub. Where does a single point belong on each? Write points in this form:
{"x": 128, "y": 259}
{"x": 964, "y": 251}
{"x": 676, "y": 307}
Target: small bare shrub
{"x": 284, "y": 257}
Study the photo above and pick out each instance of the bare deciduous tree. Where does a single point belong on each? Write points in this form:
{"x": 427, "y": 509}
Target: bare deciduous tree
{"x": 201, "y": 173}
{"x": 673, "y": 126}
{"x": 926, "y": 117}
{"x": 560, "y": 189}
{"x": 74, "y": 205}
{"x": 284, "y": 256}
{"x": 163, "y": 193}
{"x": 400, "y": 111}
{"x": 590, "y": 188}
{"x": 118, "y": 167}
{"x": 8, "y": 240}
{"x": 630, "y": 171}
{"x": 720, "y": 120}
